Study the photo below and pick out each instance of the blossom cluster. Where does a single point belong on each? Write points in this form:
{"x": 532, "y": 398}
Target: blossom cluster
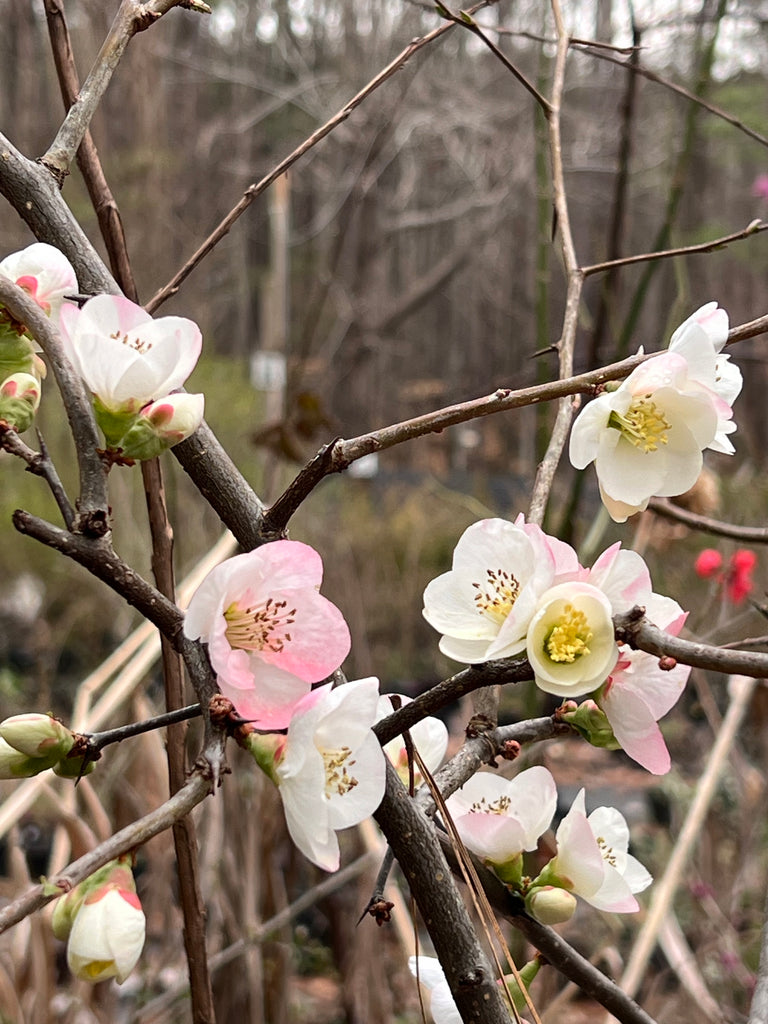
{"x": 500, "y": 820}
{"x": 270, "y": 637}
{"x": 646, "y": 435}
{"x": 514, "y": 589}
{"x": 131, "y": 364}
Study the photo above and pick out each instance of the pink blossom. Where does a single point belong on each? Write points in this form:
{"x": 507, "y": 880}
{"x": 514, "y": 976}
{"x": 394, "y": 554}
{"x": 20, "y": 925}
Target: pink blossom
{"x": 639, "y": 692}
{"x": 593, "y": 861}
{"x": 269, "y": 632}
{"x": 44, "y": 272}
{"x": 760, "y": 186}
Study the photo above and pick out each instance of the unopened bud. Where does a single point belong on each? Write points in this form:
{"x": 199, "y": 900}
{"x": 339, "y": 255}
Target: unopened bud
{"x": 591, "y": 722}
{"x": 19, "y": 399}
{"x": 160, "y": 425}
{"x": 37, "y": 735}
{"x": 550, "y": 905}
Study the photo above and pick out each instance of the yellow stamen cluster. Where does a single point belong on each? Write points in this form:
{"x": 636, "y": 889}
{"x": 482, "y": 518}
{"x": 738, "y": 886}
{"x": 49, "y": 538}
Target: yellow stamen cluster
{"x": 142, "y": 347}
{"x": 497, "y": 597}
{"x": 643, "y": 424}
{"x": 337, "y": 778}
{"x": 259, "y": 627}
{"x": 570, "y": 638}
{"x": 498, "y": 806}
{"x": 606, "y": 850}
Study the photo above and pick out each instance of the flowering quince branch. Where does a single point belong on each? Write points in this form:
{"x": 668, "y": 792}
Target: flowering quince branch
{"x": 131, "y": 17}
{"x": 667, "y": 509}
{"x": 93, "y": 503}
{"x": 754, "y": 227}
{"x": 557, "y": 951}
{"x": 634, "y": 629}
{"x": 40, "y": 464}
{"x": 194, "y": 791}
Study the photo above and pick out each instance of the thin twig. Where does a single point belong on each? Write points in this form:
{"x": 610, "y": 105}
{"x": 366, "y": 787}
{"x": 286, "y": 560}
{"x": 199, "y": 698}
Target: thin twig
{"x": 93, "y": 518}
{"x": 748, "y": 534}
{"x": 255, "y": 190}
{"x": 342, "y": 453}
{"x": 652, "y": 76}
{"x": 195, "y": 790}
{"x": 753, "y": 228}
{"x": 98, "y": 740}
{"x": 546, "y": 472}
{"x": 40, "y": 464}
{"x": 132, "y": 17}
{"x": 634, "y": 629}
{"x": 466, "y": 21}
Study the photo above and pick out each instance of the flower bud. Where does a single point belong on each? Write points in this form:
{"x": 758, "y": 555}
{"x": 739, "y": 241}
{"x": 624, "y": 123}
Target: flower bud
{"x": 19, "y": 399}
{"x": 15, "y": 765}
{"x": 105, "y": 923}
{"x": 37, "y": 735}
{"x": 550, "y": 905}
{"x": 265, "y": 749}
{"x": 17, "y": 353}
{"x": 591, "y": 721}
{"x": 72, "y": 767}
{"x": 161, "y": 425}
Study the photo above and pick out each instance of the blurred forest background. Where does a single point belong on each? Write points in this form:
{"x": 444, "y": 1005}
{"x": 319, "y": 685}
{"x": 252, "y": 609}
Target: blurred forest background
{"x": 406, "y": 262}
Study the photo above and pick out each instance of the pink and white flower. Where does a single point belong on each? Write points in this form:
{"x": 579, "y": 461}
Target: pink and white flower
{"x": 270, "y": 634}
{"x": 593, "y": 861}
{"x": 484, "y": 605}
{"x": 640, "y": 691}
{"x": 429, "y": 737}
{"x": 499, "y": 818}
{"x": 126, "y": 358}
{"x": 45, "y": 273}
{"x": 646, "y": 437}
{"x": 700, "y": 340}
{"x": 331, "y": 773}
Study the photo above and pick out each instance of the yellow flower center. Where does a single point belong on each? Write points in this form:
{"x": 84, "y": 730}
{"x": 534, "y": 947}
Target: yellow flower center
{"x": 337, "y": 778}
{"x": 569, "y": 638}
{"x": 643, "y": 424}
{"x": 259, "y": 627}
{"x": 496, "y": 597}
{"x": 498, "y": 806}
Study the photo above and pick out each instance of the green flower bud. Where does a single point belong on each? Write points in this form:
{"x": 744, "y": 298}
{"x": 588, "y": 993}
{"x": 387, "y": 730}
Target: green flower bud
{"x": 37, "y": 735}
{"x": 15, "y": 765}
{"x": 19, "y": 399}
{"x": 550, "y": 905}
{"x": 591, "y": 722}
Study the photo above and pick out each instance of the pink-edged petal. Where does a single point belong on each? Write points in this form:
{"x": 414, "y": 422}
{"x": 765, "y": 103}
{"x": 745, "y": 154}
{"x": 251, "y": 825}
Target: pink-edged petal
{"x": 579, "y": 860}
{"x": 614, "y": 895}
{"x": 270, "y": 701}
{"x": 635, "y": 728}
{"x": 493, "y": 837}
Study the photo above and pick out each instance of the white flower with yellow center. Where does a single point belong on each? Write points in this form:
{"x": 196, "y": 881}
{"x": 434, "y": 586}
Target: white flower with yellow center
{"x": 484, "y": 604}
{"x": 593, "y": 860}
{"x": 570, "y": 641}
{"x": 331, "y": 772}
{"x": 646, "y": 437}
